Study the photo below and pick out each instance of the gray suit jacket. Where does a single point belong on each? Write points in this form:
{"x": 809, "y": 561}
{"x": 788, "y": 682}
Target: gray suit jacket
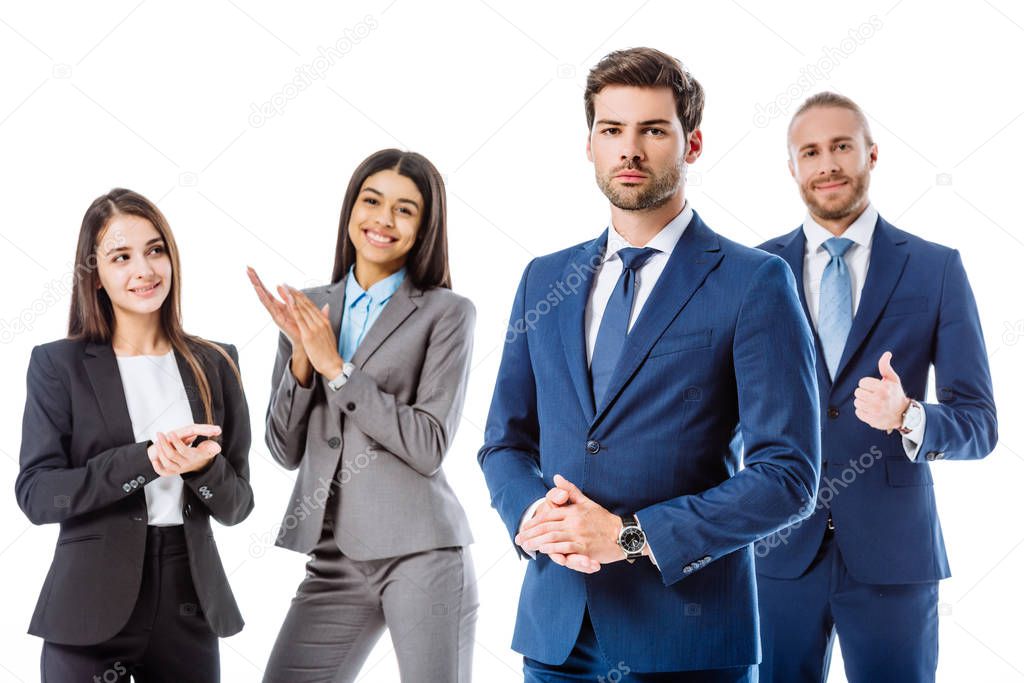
{"x": 377, "y": 442}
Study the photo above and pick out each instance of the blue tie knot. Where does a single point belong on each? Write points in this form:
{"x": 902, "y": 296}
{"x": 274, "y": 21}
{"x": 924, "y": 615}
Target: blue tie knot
{"x": 634, "y": 258}
{"x": 837, "y": 246}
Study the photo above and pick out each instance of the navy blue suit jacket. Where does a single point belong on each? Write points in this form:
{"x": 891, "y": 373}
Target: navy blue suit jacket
{"x": 720, "y": 355}
{"x": 917, "y": 303}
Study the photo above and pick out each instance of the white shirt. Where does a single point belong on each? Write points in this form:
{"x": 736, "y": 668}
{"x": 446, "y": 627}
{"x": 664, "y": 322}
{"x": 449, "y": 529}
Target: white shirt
{"x": 607, "y": 275}
{"x": 157, "y": 402}
{"x": 647, "y": 275}
{"x": 857, "y": 258}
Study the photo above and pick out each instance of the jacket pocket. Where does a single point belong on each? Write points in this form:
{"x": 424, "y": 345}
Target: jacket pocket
{"x": 905, "y": 306}
{"x": 700, "y": 339}
{"x": 79, "y": 539}
{"x": 899, "y": 471}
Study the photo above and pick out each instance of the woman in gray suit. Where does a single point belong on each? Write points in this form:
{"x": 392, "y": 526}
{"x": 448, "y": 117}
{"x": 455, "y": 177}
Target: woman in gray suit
{"x": 367, "y": 393}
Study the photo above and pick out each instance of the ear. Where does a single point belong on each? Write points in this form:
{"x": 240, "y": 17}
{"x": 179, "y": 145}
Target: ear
{"x": 792, "y": 169}
{"x": 590, "y": 152}
{"x": 873, "y": 156}
{"x": 695, "y": 145}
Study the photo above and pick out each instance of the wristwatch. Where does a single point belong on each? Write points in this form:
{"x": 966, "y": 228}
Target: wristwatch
{"x": 631, "y": 538}
{"x": 339, "y": 381}
{"x": 912, "y": 417}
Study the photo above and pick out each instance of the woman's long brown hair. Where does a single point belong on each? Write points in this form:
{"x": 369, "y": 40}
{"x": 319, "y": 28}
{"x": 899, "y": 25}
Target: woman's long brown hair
{"x": 92, "y": 313}
{"x": 427, "y": 261}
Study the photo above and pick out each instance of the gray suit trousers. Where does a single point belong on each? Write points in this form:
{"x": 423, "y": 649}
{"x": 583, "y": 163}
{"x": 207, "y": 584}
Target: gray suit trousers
{"x": 427, "y": 600}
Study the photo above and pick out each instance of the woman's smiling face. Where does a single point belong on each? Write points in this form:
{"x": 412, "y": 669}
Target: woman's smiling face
{"x": 134, "y": 269}
{"x": 386, "y": 219}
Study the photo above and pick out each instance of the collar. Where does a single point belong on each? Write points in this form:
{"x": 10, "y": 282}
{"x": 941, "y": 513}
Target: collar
{"x": 665, "y": 241}
{"x": 379, "y": 292}
{"x": 859, "y": 232}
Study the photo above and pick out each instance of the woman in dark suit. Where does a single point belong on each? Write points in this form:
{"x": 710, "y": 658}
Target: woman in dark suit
{"x": 135, "y": 434}
{"x": 366, "y": 397}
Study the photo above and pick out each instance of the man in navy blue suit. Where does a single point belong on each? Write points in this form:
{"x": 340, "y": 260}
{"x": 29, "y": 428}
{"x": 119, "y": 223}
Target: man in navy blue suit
{"x": 866, "y": 563}
{"x": 639, "y": 370}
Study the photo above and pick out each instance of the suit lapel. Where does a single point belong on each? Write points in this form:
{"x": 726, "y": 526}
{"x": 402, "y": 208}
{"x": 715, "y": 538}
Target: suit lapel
{"x": 695, "y": 255}
{"x": 401, "y": 304}
{"x": 888, "y": 258}
{"x": 188, "y": 378}
{"x": 792, "y": 250}
{"x": 105, "y": 378}
{"x": 572, "y": 314}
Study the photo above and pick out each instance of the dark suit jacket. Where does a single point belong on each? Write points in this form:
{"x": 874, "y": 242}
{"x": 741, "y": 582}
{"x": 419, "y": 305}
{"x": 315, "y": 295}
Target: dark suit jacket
{"x": 81, "y": 469}
{"x": 917, "y": 303}
{"x": 720, "y": 356}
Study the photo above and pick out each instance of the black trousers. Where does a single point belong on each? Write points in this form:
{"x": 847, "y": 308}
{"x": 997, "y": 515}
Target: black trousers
{"x": 166, "y": 639}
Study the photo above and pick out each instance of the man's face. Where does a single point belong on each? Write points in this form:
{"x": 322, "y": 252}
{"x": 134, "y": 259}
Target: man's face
{"x": 639, "y": 147}
{"x": 831, "y": 162}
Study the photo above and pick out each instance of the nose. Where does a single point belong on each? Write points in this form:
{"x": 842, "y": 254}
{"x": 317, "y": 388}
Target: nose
{"x": 631, "y": 152}
{"x": 828, "y": 164}
{"x": 145, "y": 269}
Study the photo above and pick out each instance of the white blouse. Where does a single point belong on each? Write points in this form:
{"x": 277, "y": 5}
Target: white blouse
{"x": 157, "y": 402}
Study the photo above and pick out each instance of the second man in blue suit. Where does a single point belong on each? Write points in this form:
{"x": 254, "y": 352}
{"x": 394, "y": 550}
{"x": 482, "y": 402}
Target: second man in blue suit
{"x": 635, "y": 365}
{"x": 867, "y": 562}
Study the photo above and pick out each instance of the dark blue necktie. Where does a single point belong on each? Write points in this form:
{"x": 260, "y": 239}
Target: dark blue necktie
{"x": 611, "y": 335}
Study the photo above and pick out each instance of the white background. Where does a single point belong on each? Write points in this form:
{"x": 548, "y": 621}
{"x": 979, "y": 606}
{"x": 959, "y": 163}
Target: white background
{"x": 158, "y": 97}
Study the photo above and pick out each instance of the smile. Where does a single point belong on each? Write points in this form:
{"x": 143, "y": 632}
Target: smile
{"x": 830, "y": 186}
{"x": 378, "y": 239}
{"x": 146, "y": 291}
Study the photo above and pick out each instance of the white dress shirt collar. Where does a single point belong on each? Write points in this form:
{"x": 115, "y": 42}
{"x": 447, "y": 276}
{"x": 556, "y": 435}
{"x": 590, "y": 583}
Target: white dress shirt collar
{"x": 860, "y": 231}
{"x": 665, "y": 241}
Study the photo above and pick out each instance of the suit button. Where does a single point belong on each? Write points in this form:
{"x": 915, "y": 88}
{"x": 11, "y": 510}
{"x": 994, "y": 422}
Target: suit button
{"x": 593, "y": 446}
{"x": 188, "y": 510}
{"x": 932, "y": 455}
{"x": 334, "y": 442}
{"x": 136, "y": 518}
{"x": 833, "y": 412}
{"x": 350, "y": 406}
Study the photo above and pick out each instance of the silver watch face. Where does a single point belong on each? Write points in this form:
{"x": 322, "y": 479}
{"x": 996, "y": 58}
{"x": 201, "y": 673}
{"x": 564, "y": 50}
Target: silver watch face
{"x": 632, "y": 540}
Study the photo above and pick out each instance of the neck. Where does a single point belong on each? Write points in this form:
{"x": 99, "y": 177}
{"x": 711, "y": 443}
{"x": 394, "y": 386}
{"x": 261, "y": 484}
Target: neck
{"x": 139, "y": 335}
{"x": 837, "y": 226}
{"x": 369, "y": 273}
{"x": 640, "y": 226}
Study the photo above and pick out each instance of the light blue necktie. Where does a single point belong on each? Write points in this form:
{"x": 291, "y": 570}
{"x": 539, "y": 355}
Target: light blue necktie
{"x": 611, "y": 335}
{"x": 835, "y": 310}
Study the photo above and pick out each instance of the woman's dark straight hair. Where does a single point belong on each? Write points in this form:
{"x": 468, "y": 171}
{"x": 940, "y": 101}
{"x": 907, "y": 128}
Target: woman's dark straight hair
{"x": 92, "y": 313}
{"x": 427, "y": 262}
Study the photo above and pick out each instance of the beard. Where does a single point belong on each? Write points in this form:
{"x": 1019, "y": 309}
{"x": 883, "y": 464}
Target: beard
{"x": 837, "y": 208}
{"x": 657, "y": 189}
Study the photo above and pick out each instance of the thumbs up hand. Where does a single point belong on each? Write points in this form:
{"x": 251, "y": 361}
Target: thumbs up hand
{"x": 881, "y": 403}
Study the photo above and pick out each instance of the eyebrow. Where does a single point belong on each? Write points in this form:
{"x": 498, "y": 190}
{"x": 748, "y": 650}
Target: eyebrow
{"x": 126, "y": 248}
{"x": 649, "y": 122}
{"x": 840, "y": 138}
{"x": 400, "y": 199}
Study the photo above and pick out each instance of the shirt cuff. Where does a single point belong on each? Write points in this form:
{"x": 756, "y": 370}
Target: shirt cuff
{"x": 530, "y": 511}
{"x": 913, "y": 439}
{"x": 650, "y": 550}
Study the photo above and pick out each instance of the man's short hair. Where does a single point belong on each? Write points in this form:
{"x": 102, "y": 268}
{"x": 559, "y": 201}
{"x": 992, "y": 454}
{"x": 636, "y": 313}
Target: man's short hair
{"x": 646, "y": 67}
